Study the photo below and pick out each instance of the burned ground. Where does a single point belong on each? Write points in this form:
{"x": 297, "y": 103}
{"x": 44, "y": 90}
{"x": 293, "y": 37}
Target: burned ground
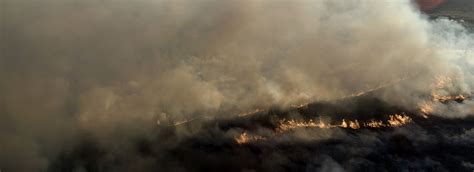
{"x": 433, "y": 144}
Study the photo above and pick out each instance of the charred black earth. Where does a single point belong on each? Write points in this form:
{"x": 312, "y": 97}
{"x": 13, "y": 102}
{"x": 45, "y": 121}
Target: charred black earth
{"x": 423, "y": 144}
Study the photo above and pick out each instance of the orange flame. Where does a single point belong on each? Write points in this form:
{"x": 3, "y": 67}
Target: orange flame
{"x": 352, "y": 124}
{"x": 444, "y": 99}
{"x": 399, "y": 120}
{"x": 297, "y": 106}
{"x": 245, "y": 138}
{"x": 258, "y": 110}
{"x": 286, "y": 125}
{"x": 395, "y": 120}
{"x": 440, "y": 93}
{"x": 374, "y": 124}
{"x": 426, "y": 109}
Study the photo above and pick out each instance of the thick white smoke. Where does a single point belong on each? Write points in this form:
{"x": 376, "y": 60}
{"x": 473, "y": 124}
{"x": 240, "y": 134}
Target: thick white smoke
{"x": 453, "y": 43}
{"x": 114, "y": 68}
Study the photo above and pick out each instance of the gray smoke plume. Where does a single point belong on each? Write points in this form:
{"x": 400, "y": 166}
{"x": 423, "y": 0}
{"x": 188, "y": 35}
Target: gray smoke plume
{"x": 113, "y": 70}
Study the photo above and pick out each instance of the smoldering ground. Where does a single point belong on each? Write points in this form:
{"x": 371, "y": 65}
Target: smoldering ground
{"x": 98, "y": 85}
{"x": 434, "y": 144}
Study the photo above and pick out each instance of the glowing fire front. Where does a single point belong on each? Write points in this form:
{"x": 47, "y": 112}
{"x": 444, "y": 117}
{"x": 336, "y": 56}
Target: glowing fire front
{"x": 352, "y": 124}
{"x": 446, "y": 83}
{"x": 374, "y": 124}
{"x": 426, "y": 108}
{"x": 444, "y": 99}
{"x": 395, "y": 120}
{"x": 442, "y": 92}
{"x": 285, "y": 125}
{"x": 399, "y": 120}
{"x": 246, "y": 138}
{"x": 258, "y": 110}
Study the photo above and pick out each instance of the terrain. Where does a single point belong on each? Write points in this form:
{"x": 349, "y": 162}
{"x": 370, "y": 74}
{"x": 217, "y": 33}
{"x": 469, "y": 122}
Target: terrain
{"x": 460, "y": 10}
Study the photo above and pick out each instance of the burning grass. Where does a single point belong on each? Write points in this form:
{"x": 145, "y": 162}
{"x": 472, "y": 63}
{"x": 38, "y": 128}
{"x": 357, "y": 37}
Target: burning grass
{"x": 285, "y": 126}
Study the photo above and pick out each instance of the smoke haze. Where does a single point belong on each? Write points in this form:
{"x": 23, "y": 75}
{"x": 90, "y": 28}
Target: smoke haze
{"x": 107, "y": 73}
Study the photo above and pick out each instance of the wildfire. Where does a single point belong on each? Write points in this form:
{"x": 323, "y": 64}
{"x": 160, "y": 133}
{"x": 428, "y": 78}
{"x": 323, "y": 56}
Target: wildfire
{"x": 246, "y": 138}
{"x": 352, "y": 124}
{"x": 444, "y": 99}
{"x": 286, "y": 125}
{"x": 426, "y": 109}
{"x": 374, "y": 124}
{"x": 395, "y": 120}
{"x": 182, "y": 122}
{"x": 258, "y": 110}
{"x": 344, "y": 124}
{"x": 399, "y": 120}
{"x": 297, "y": 106}
{"x": 445, "y": 82}
{"x": 381, "y": 86}
{"x": 442, "y": 81}
{"x": 440, "y": 93}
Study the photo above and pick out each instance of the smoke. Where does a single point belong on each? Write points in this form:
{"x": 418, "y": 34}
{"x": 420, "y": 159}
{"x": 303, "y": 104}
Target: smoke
{"x": 110, "y": 71}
